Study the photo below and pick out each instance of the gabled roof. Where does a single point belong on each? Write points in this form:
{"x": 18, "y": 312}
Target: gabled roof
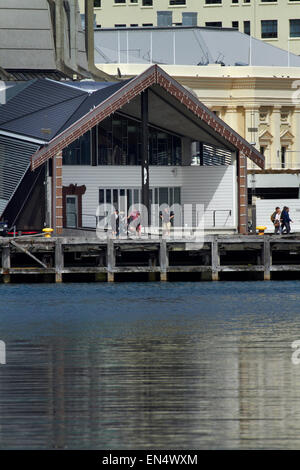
{"x": 110, "y": 99}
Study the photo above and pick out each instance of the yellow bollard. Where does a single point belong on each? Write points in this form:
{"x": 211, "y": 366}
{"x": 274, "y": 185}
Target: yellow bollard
{"x": 261, "y": 229}
{"x": 47, "y": 232}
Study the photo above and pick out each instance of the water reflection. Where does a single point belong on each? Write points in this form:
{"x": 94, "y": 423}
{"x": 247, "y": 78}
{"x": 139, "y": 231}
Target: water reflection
{"x": 197, "y": 366}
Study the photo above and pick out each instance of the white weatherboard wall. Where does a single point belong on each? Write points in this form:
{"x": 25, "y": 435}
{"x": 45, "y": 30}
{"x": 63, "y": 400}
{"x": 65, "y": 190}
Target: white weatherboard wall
{"x": 266, "y": 207}
{"x": 214, "y": 186}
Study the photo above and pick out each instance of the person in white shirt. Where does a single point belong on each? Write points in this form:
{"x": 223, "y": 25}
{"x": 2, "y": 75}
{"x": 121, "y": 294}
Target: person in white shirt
{"x": 277, "y": 221}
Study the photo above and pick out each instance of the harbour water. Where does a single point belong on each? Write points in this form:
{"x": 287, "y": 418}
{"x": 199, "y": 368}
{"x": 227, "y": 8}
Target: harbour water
{"x": 150, "y": 366}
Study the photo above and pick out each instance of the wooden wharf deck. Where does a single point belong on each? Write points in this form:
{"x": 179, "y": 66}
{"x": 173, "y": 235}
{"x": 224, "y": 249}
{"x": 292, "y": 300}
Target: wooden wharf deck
{"x": 59, "y": 259}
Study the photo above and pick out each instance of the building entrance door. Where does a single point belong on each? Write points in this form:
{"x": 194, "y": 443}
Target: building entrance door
{"x": 71, "y": 212}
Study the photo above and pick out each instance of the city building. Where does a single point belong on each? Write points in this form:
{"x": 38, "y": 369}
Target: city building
{"x": 66, "y": 147}
{"x": 276, "y": 22}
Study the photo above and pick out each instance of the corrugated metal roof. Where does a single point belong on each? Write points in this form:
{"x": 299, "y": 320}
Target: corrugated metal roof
{"x": 46, "y": 123}
{"x": 45, "y": 108}
{"x": 14, "y": 161}
{"x": 25, "y": 74}
{"x": 39, "y": 95}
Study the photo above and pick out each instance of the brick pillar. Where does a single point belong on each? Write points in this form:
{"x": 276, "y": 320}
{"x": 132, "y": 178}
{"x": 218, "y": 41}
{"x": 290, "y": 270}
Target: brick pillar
{"x": 57, "y": 197}
{"x": 242, "y": 193}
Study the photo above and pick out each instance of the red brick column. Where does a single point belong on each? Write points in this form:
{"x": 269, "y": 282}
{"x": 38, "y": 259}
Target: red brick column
{"x": 57, "y": 197}
{"x": 242, "y": 193}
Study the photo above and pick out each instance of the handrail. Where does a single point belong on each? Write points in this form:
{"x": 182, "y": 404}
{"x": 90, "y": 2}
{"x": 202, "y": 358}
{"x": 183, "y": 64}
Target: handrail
{"x": 218, "y": 210}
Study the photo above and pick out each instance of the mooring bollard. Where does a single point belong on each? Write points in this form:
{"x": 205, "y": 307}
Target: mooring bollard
{"x": 47, "y": 232}
{"x": 261, "y": 229}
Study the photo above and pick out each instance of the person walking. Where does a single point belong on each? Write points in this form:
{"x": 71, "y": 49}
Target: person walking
{"x": 166, "y": 217}
{"x": 285, "y": 220}
{"x": 276, "y": 222}
{"x": 115, "y": 223}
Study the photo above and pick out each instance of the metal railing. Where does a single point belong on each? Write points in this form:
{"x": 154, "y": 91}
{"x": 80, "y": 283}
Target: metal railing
{"x": 215, "y": 212}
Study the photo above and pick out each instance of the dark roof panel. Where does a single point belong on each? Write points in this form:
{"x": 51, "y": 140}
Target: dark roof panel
{"x": 40, "y": 94}
{"x": 46, "y": 108}
{"x": 24, "y": 74}
{"x": 47, "y": 122}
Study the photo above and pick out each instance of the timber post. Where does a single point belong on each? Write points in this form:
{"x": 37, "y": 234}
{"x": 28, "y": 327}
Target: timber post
{"x": 215, "y": 259}
{"x": 111, "y": 260}
{"x": 59, "y": 260}
{"x": 6, "y": 264}
{"x": 163, "y": 260}
{"x": 267, "y": 258}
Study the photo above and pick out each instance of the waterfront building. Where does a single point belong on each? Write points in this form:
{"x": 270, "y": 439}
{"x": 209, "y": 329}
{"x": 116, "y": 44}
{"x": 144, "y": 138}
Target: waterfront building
{"x": 276, "y": 22}
{"x": 67, "y": 147}
{"x": 251, "y": 85}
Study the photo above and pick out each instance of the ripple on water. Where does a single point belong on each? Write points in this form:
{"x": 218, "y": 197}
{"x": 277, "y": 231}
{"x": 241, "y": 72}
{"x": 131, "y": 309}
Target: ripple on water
{"x": 150, "y": 365}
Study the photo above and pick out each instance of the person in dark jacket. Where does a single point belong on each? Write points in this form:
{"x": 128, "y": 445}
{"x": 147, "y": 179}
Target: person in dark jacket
{"x": 285, "y": 220}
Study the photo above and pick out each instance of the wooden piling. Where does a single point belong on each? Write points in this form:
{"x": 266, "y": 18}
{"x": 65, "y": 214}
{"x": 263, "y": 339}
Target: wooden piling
{"x": 163, "y": 260}
{"x": 267, "y": 258}
{"x": 6, "y": 263}
{"x": 59, "y": 260}
{"x": 215, "y": 259}
{"x": 111, "y": 260}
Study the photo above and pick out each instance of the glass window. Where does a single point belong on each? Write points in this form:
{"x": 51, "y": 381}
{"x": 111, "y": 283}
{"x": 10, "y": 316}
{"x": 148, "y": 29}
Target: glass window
{"x": 79, "y": 152}
{"x": 120, "y": 139}
{"x": 71, "y": 211}
{"x": 247, "y": 28}
{"x": 235, "y": 24}
{"x": 177, "y": 2}
{"x": 269, "y": 29}
{"x": 214, "y": 24}
{"x": 105, "y": 142}
{"x": 101, "y": 196}
{"x": 294, "y": 28}
{"x": 189, "y": 19}
{"x": 210, "y": 2}
{"x": 108, "y": 196}
{"x": 97, "y": 3}
{"x": 147, "y": 3}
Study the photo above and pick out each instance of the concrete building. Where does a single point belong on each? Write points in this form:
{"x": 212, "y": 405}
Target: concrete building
{"x": 145, "y": 140}
{"x": 276, "y": 22}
